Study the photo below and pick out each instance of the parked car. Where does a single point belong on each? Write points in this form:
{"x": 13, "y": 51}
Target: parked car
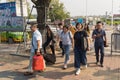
{"x": 11, "y": 37}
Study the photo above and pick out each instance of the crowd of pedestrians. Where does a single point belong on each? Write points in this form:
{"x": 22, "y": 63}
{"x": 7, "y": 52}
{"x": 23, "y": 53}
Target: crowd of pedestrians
{"x": 68, "y": 36}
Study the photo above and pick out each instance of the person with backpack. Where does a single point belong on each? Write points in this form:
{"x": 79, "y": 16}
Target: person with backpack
{"x": 81, "y": 45}
{"x": 99, "y": 36}
{"x": 67, "y": 42}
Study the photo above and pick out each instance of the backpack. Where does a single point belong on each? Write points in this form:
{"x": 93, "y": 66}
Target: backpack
{"x": 68, "y": 34}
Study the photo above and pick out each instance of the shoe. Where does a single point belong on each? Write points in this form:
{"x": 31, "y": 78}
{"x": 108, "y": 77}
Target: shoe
{"x": 28, "y": 73}
{"x": 84, "y": 67}
{"x": 101, "y": 65}
{"x": 64, "y": 67}
{"x": 77, "y": 71}
{"x": 96, "y": 63}
{"x": 68, "y": 61}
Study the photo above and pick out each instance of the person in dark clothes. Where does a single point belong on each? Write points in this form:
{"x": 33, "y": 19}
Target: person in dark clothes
{"x": 99, "y": 35}
{"x": 49, "y": 40}
{"x": 79, "y": 49}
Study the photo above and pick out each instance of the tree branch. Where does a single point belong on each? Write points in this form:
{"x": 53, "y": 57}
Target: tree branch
{"x": 34, "y": 1}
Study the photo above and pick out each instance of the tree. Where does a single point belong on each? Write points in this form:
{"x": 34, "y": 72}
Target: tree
{"x": 57, "y": 11}
{"x": 41, "y": 7}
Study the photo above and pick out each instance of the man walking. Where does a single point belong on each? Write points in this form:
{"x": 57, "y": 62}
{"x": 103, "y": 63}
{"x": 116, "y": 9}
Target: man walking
{"x": 36, "y": 46}
{"x": 99, "y": 36}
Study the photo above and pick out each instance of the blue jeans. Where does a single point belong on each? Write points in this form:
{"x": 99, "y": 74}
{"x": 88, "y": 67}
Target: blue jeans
{"x": 67, "y": 52}
{"x": 79, "y": 57}
{"x": 30, "y": 62}
{"x": 99, "y": 47}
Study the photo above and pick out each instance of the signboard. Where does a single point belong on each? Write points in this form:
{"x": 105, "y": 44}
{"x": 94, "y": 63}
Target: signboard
{"x": 80, "y": 20}
{"x": 8, "y": 9}
{"x": 8, "y": 19}
{"x": 11, "y": 24}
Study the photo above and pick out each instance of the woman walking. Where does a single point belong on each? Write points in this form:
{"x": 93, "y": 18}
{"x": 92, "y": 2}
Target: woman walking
{"x": 80, "y": 48}
{"x": 49, "y": 40}
{"x": 67, "y": 41}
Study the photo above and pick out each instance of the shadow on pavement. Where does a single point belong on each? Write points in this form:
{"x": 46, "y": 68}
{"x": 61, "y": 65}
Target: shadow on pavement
{"x": 109, "y": 74}
{"x": 14, "y": 75}
{"x": 56, "y": 74}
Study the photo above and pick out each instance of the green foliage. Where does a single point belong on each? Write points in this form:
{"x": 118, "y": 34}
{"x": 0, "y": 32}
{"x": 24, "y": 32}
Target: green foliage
{"x": 58, "y": 11}
{"x": 114, "y": 22}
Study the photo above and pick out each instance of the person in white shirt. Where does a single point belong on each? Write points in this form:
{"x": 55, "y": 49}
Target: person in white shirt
{"x": 36, "y": 46}
{"x": 58, "y": 37}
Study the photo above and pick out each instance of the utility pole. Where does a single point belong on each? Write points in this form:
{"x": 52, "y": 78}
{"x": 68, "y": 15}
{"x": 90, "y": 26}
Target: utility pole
{"x": 24, "y": 26}
{"x": 112, "y": 17}
{"x": 86, "y": 13}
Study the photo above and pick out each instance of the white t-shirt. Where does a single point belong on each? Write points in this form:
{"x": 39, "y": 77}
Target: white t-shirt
{"x": 36, "y": 36}
{"x": 66, "y": 38}
{"x": 59, "y": 32}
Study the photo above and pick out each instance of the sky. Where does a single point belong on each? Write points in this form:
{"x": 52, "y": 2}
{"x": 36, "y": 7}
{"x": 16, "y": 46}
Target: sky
{"x": 94, "y": 7}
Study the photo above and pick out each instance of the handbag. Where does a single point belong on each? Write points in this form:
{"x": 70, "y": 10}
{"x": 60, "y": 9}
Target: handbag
{"x": 105, "y": 44}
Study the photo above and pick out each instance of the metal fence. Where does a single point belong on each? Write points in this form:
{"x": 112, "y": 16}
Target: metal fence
{"x": 115, "y": 43}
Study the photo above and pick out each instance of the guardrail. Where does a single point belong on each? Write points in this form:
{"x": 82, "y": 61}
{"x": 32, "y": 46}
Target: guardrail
{"x": 115, "y": 42}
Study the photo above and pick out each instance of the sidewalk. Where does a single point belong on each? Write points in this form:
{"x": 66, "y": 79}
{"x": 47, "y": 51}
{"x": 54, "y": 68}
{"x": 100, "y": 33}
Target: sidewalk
{"x": 14, "y": 67}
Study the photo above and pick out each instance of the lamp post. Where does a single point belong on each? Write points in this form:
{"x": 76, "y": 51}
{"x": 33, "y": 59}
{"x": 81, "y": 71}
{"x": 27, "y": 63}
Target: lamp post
{"x": 112, "y": 15}
{"x": 86, "y": 13}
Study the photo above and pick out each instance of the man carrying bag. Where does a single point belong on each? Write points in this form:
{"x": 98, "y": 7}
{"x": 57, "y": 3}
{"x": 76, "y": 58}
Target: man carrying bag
{"x": 36, "y": 46}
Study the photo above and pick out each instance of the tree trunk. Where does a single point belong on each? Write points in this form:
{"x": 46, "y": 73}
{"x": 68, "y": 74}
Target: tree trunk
{"x": 41, "y": 7}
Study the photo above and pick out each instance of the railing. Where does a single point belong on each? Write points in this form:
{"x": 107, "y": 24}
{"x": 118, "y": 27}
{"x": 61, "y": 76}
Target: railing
{"x": 115, "y": 43}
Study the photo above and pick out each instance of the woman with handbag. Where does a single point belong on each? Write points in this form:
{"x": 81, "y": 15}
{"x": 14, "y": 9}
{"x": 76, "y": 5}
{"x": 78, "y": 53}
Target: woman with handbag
{"x": 80, "y": 48}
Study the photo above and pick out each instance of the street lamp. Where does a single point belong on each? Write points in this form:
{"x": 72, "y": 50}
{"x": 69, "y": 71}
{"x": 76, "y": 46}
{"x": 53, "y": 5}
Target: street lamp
{"x": 112, "y": 15}
{"x": 86, "y": 13}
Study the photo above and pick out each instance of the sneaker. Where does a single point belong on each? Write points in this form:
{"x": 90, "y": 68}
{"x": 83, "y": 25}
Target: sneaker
{"x": 77, "y": 71}
{"x": 84, "y": 67}
{"x": 65, "y": 66}
{"x": 68, "y": 61}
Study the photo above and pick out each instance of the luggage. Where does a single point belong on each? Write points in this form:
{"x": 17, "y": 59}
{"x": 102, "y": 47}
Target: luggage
{"x": 50, "y": 58}
{"x": 38, "y": 63}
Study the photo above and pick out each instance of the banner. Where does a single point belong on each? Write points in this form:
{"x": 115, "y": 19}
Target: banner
{"x": 8, "y": 9}
{"x": 9, "y": 21}
{"x": 11, "y": 24}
